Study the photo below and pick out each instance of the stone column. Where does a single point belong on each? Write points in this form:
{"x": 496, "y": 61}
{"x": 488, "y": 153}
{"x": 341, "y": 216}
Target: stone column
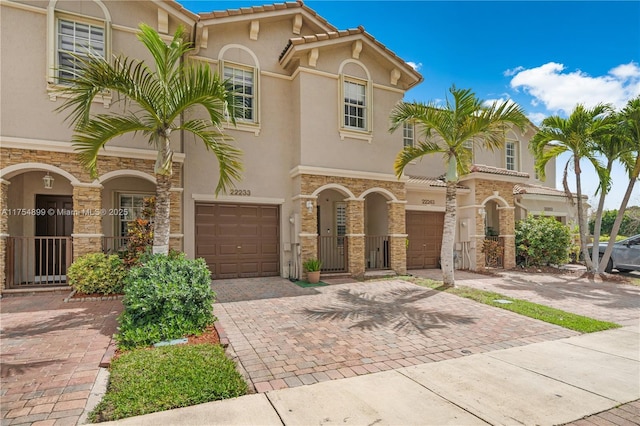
{"x": 478, "y": 240}
{"x": 87, "y": 220}
{"x": 355, "y": 238}
{"x": 508, "y": 235}
{"x": 176, "y": 233}
{"x": 308, "y": 230}
{"x": 397, "y": 236}
{"x": 4, "y": 231}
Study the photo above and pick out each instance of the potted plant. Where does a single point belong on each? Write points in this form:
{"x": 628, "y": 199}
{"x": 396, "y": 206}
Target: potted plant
{"x": 312, "y": 266}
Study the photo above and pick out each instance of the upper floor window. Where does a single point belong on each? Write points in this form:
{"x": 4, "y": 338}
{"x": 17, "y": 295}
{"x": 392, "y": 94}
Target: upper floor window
{"x": 242, "y": 80}
{"x": 511, "y": 155}
{"x": 355, "y": 105}
{"x": 80, "y": 39}
{"x": 408, "y": 132}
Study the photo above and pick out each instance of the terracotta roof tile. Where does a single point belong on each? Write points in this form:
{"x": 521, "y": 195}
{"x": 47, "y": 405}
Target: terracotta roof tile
{"x": 430, "y": 181}
{"x": 481, "y": 168}
{"x": 266, "y": 8}
{"x": 527, "y": 188}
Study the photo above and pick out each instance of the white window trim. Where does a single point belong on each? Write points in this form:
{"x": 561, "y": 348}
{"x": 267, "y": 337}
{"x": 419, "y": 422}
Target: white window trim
{"x": 253, "y": 126}
{"x": 52, "y": 48}
{"x": 118, "y": 203}
{"x": 516, "y": 155}
{"x": 351, "y": 132}
{"x": 405, "y": 127}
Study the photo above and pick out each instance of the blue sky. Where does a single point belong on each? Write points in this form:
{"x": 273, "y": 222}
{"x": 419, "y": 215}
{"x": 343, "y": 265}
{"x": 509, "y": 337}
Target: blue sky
{"x": 545, "y": 55}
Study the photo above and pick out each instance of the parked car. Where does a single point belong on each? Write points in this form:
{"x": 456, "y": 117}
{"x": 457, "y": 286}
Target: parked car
{"x": 625, "y": 256}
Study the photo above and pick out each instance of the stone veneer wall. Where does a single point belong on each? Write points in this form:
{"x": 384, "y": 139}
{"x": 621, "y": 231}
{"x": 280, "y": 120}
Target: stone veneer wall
{"x": 4, "y": 231}
{"x": 87, "y": 229}
{"x": 486, "y": 189}
{"x": 355, "y": 220}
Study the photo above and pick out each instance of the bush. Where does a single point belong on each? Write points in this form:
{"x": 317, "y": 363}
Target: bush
{"x": 542, "y": 241}
{"x": 165, "y": 298}
{"x": 97, "y": 273}
{"x": 140, "y": 233}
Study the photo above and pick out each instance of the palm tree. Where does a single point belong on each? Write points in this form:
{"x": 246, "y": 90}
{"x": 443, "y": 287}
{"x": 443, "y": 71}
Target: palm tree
{"x": 154, "y": 102}
{"x": 629, "y": 129}
{"x": 576, "y": 135}
{"x": 444, "y": 131}
{"x": 614, "y": 147}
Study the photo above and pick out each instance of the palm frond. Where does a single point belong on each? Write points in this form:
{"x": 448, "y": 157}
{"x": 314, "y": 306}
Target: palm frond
{"x": 93, "y": 135}
{"x": 230, "y": 166}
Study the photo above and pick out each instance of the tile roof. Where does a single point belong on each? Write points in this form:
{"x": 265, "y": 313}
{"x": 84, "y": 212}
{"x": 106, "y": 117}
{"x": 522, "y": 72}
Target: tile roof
{"x": 481, "y": 168}
{"x": 527, "y": 188}
{"x": 266, "y": 8}
{"x": 296, "y": 41}
{"x": 430, "y": 181}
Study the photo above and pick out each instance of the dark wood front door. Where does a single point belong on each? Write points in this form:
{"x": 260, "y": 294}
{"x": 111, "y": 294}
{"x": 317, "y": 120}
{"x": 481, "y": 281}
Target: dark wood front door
{"x": 57, "y": 221}
{"x": 424, "y": 231}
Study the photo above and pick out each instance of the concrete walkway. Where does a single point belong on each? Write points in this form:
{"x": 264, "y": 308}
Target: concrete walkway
{"x": 545, "y": 383}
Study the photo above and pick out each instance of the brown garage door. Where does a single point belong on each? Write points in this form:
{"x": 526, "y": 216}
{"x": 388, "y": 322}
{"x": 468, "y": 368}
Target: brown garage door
{"x": 238, "y": 240}
{"x": 424, "y": 231}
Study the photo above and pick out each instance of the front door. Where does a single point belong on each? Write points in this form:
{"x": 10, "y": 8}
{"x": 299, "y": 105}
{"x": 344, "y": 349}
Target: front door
{"x": 53, "y": 232}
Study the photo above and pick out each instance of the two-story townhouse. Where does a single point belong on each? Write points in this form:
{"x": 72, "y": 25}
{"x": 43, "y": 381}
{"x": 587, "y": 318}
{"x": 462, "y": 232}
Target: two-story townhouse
{"x": 318, "y": 157}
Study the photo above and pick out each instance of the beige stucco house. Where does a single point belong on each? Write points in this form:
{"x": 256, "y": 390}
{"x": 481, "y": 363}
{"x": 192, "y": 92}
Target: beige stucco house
{"x": 318, "y": 157}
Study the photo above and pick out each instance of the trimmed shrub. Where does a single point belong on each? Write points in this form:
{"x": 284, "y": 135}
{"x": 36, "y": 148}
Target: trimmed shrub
{"x": 166, "y": 297}
{"x": 97, "y": 273}
{"x": 542, "y": 241}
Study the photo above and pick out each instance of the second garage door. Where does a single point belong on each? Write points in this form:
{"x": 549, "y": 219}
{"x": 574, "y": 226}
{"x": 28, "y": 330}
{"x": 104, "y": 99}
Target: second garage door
{"x": 424, "y": 231}
{"x": 238, "y": 240}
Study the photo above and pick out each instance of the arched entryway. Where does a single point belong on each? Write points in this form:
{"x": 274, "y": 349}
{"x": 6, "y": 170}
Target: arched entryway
{"x": 376, "y": 225}
{"x": 38, "y": 222}
{"x": 331, "y": 211}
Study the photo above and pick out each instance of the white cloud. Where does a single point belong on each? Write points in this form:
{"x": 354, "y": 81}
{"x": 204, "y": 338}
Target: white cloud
{"x": 514, "y": 71}
{"x": 415, "y": 66}
{"x": 558, "y": 90}
{"x": 500, "y": 101}
{"x": 536, "y": 117}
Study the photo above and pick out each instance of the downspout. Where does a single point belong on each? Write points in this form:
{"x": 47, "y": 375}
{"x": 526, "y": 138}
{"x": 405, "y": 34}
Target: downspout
{"x": 516, "y": 202}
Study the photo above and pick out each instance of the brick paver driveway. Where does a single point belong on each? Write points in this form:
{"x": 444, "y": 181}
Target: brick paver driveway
{"x": 603, "y": 300}
{"x": 286, "y": 336}
{"x": 50, "y": 351}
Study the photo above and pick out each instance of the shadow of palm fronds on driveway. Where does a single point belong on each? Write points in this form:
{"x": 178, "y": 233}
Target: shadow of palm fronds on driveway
{"x": 397, "y": 309}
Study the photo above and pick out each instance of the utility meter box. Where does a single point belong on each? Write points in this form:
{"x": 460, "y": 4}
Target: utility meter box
{"x": 465, "y": 230}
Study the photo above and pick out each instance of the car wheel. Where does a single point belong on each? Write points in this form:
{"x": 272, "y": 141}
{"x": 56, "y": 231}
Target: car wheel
{"x": 609, "y": 266}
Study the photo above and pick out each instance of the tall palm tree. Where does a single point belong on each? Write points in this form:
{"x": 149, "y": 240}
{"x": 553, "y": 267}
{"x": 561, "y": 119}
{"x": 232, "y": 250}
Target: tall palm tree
{"x": 444, "y": 131}
{"x": 575, "y": 135}
{"x": 154, "y": 99}
{"x": 629, "y": 129}
{"x": 614, "y": 147}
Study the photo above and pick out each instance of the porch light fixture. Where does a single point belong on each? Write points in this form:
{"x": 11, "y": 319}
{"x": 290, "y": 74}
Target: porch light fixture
{"x": 48, "y": 181}
{"x": 310, "y": 206}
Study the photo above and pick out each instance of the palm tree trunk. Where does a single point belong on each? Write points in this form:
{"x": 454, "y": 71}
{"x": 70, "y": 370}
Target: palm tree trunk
{"x": 162, "y": 220}
{"x": 581, "y": 225}
{"x": 618, "y": 221}
{"x": 448, "y": 235}
{"x": 598, "y": 224}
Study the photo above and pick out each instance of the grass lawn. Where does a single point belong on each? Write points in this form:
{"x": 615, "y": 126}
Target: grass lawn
{"x": 144, "y": 381}
{"x": 522, "y": 307}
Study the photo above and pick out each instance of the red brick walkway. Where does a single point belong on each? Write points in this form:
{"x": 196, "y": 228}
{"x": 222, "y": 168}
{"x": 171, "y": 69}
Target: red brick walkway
{"x": 624, "y": 415}
{"x": 325, "y": 333}
{"x": 50, "y": 351}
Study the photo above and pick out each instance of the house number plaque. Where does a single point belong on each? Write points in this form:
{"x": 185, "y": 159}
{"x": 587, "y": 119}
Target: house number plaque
{"x": 241, "y": 192}
{"x": 425, "y": 201}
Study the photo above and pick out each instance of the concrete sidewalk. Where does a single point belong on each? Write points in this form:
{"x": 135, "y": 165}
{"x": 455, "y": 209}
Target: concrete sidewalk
{"x": 545, "y": 383}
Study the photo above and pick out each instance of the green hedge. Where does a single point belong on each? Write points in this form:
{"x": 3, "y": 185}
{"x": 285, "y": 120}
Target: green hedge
{"x": 97, "y": 273}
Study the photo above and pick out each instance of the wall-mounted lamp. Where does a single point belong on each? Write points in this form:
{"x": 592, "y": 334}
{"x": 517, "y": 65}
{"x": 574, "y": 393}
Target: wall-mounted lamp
{"x": 48, "y": 181}
{"x": 482, "y": 212}
{"x": 310, "y": 206}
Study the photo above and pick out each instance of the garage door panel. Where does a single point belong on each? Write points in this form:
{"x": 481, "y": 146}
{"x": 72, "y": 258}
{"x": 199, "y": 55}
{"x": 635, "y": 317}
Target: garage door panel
{"x": 238, "y": 240}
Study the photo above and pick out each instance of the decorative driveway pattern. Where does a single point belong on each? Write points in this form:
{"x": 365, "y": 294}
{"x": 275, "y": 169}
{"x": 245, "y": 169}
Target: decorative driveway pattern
{"x": 50, "y": 351}
{"x": 603, "y": 300}
{"x": 344, "y": 330}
